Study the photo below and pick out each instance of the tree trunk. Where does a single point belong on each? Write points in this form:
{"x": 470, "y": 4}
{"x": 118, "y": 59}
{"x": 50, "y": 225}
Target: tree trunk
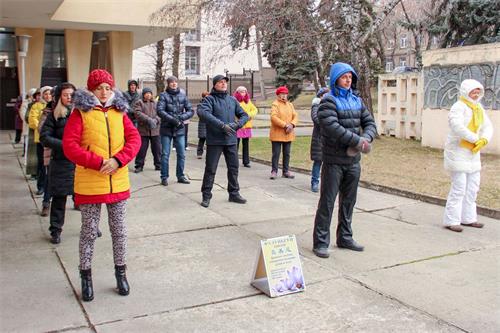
{"x": 176, "y": 55}
{"x": 259, "y": 64}
{"x": 159, "y": 74}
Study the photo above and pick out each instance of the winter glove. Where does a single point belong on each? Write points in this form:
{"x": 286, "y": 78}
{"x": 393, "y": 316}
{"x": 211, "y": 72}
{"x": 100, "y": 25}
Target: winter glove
{"x": 234, "y": 126}
{"x": 288, "y": 128}
{"x": 152, "y": 123}
{"x": 228, "y": 130}
{"x": 479, "y": 145}
{"x": 363, "y": 146}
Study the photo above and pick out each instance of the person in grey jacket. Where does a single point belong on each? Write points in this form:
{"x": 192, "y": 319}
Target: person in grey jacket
{"x": 148, "y": 125}
{"x": 223, "y": 116}
{"x": 173, "y": 108}
{"x": 347, "y": 129}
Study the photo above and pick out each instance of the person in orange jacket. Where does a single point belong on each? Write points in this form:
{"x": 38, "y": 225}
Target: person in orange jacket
{"x": 284, "y": 118}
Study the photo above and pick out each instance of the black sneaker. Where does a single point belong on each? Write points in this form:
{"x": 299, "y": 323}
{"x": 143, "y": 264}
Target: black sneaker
{"x": 157, "y": 168}
{"x": 321, "y": 252}
{"x": 205, "y": 203}
{"x": 138, "y": 170}
{"x": 164, "y": 182}
{"x": 183, "y": 180}
{"x": 55, "y": 238}
{"x": 237, "y": 199}
{"x": 351, "y": 246}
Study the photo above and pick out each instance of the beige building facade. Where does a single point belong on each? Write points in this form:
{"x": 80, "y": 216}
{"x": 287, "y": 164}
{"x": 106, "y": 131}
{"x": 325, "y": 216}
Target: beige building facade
{"x": 399, "y": 111}
{"x": 444, "y": 70}
{"x": 68, "y": 38}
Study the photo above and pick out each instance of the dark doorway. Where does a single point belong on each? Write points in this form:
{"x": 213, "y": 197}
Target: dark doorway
{"x": 9, "y": 90}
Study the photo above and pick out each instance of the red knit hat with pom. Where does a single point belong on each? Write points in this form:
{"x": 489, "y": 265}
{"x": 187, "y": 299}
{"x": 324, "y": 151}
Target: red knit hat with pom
{"x": 282, "y": 90}
{"x": 98, "y": 76}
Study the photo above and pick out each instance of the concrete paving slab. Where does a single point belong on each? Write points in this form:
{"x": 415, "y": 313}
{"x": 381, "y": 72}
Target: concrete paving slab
{"x": 423, "y": 213}
{"x": 384, "y": 239}
{"x": 461, "y": 289}
{"x": 370, "y": 200}
{"x": 34, "y": 290}
{"x": 262, "y": 205}
{"x": 175, "y": 271}
{"x": 332, "y": 306}
{"x": 167, "y": 209}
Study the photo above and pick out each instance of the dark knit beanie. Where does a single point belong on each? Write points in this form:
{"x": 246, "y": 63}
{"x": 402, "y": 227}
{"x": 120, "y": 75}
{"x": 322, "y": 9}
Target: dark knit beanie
{"x": 171, "y": 79}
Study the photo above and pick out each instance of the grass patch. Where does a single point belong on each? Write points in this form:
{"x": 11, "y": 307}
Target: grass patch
{"x": 403, "y": 164}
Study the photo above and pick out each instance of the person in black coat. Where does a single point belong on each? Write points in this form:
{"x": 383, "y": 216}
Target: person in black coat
{"x": 223, "y": 116}
{"x": 316, "y": 155}
{"x": 61, "y": 170}
{"x": 173, "y": 108}
{"x": 347, "y": 129}
{"x": 202, "y": 130}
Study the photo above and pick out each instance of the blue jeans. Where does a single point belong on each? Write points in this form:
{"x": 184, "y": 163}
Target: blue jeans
{"x": 179, "y": 143}
{"x": 316, "y": 169}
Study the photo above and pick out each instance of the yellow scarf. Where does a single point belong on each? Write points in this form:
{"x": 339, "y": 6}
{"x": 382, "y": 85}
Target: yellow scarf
{"x": 475, "y": 122}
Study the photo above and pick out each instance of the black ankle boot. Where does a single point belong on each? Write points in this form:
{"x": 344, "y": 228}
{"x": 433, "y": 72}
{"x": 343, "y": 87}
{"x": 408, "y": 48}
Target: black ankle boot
{"x": 87, "y": 288}
{"x": 121, "y": 280}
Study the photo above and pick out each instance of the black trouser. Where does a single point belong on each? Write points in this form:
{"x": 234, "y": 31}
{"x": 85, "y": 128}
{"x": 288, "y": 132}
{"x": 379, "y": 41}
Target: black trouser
{"x": 211, "y": 162}
{"x": 342, "y": 180}
{"x": 57, "y": 213}
{"x": 40, "y": 173}
{"x": 276, "y": 147}
{"x": 155, "y": 150}
{"x": 246, "y": 152}
{"x": 201, "y": 143}
{"x": 46, "y": 194}
{"x": 18, "y": 135}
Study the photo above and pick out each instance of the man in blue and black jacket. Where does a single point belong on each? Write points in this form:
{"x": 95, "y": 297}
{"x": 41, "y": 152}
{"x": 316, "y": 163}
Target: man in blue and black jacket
{"x": 347, "y": 129}
{"x": 223, "y": 116}
{"x": 173, "y": 108}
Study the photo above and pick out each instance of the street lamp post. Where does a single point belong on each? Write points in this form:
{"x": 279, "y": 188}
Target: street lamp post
{"x": 22, "y": 51}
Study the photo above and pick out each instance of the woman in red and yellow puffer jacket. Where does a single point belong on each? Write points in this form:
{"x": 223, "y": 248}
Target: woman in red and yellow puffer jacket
{"x": 101, "y": 140}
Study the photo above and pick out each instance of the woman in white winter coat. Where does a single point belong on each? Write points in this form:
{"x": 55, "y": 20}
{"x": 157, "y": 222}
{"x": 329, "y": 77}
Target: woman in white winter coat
{"x": 470, "y": 131}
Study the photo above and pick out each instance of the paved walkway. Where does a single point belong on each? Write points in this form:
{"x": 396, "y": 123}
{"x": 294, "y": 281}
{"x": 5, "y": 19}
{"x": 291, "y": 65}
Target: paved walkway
{"x": 190, "y": 267}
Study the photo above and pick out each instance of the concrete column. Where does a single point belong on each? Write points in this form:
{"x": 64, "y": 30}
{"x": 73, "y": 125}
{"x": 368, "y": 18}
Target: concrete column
{"x": 120, "y": 52}
{"x": 78, "y": 49}
{"x": 34, "y": 58}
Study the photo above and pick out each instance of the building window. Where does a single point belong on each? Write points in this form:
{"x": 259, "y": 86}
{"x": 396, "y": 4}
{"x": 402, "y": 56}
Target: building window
{"x": 7, "y": 49}
{"x": 403, "y": 42}
{"x": 193, "y": 34}
{"x": 54, "y": 51}
{"x": 390, "y": 44}
{"x": 402, "y": 61}
{"x": 388, "y": 66}
{"x": 192, "y": 60}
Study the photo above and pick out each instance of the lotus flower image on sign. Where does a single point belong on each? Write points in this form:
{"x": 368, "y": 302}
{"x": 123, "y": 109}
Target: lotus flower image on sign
{"x": 278, "y": 270}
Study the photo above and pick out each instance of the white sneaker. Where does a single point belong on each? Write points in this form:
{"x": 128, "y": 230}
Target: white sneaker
{"x": 173, "y": 148}
{"x": 187, "y": 148}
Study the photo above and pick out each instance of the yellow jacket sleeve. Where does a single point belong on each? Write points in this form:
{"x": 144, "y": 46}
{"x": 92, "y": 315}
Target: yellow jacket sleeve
{"x": 252, "y": 110}
{"x": 34, "y": 116}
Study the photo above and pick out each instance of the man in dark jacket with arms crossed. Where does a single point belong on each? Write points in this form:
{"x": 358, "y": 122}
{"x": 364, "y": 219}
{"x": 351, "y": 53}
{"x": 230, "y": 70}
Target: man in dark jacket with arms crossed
{"x": 223, "y": 116}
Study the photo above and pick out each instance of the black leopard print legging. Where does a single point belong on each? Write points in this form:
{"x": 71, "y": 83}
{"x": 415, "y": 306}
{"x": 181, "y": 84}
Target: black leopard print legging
{"x": 91, "y": 214}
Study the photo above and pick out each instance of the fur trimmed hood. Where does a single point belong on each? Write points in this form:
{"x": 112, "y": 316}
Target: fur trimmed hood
{"x": 85, "y": 100}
